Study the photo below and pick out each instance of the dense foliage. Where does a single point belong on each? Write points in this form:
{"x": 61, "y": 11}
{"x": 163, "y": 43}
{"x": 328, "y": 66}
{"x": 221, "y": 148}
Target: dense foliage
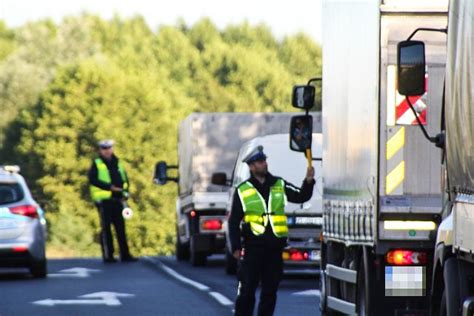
{"x": 64, "y": 86}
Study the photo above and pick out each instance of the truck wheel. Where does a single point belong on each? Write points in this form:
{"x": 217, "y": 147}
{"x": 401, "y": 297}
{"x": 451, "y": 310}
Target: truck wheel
{"x": 197, "y": 258}
{"x": 451, "y": 287}
{"x": 182, "y": 250}
{"x": 230, "y": 264}
{"x": 364, "y": 307}
{"x": 443, "y": 310}
{"x": 39, "y": 269}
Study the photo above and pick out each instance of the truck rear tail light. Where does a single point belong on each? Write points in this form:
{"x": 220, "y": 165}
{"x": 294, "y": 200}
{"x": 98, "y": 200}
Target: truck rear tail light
{"x": 406, "y": 258}
{"x": 25, "y": 210}
{"x": 212, "y": 224}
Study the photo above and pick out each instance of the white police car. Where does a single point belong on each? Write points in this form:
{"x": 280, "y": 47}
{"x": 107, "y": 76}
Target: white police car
{"x": 22, "y": 225}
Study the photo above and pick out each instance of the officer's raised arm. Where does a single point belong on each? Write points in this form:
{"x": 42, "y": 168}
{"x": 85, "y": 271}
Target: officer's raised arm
{"x": 303, "y": 194}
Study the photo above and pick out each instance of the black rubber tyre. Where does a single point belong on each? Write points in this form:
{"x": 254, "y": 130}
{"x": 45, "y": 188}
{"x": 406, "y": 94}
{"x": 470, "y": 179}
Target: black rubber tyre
{"x": 182, "y": 250}
{"x": 451, "y": 287}
{"x": 39, "y": 269}
{"x": 443, "y": 309}
{"x": 230, "y": 263}
{"x": 197, "y": 258}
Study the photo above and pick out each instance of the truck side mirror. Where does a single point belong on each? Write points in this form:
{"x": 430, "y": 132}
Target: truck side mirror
{"x": 301, "y": 132}
{"x": 161, "y": 170}
{"x": 411, "y": 68}
{"x": 303, "y": 97}
{"x": 219, "y": 178}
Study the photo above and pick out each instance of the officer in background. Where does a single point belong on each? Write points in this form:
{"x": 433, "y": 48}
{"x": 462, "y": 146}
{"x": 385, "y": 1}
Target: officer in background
{"x": 109, "y": 188}
{"x": 259, "y": 204}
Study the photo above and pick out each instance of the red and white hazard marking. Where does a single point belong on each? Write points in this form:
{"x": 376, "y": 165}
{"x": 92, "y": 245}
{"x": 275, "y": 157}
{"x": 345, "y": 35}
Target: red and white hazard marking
{"x": 398, "y": 109}
{"x": 404, "y": 114}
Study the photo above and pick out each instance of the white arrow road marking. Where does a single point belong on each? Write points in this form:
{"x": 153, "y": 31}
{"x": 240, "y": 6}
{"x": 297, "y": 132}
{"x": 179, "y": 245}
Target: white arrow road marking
{"x": 96, "y": 298}
{"x": 76, "y": 272}
{"x": 308, "y": 293}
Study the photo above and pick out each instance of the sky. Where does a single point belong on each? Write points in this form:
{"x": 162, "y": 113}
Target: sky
{"x": 283, "y": 17}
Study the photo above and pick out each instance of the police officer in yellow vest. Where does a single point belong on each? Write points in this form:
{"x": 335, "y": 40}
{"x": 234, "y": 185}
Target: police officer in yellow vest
{"x": 258, "y": 218}
{"x": 109, "y": 188}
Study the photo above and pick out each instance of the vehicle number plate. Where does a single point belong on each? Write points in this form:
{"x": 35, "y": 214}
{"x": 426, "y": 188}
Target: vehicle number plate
{"x": 308, "y": 220}
{"x": 405, "y": 281}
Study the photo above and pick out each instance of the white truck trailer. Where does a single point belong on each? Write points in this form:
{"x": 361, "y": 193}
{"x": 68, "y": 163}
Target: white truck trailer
{"x": 453, "y": 276}
{"x": 382, "y": 196}
{"x": 208, "y": 143}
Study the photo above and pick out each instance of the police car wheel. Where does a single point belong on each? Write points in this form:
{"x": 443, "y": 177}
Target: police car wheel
{"x": 39, "y": 269}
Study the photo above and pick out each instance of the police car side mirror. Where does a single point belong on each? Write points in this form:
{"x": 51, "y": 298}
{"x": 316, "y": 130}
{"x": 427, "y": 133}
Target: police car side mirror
{"x": 301, "y": 132}
{"x": 219, "y": 178}
{"x": 411, "y": 68}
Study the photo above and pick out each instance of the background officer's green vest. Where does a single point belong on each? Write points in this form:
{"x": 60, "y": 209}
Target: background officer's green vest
{"x": 256, "y": 212}
{"x": 103, "y": 175}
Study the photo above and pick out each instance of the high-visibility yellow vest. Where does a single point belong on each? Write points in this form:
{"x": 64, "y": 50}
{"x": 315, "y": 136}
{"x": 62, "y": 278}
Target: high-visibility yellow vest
{"x": 256, "y": 212}
{"x": 103, "y": 175}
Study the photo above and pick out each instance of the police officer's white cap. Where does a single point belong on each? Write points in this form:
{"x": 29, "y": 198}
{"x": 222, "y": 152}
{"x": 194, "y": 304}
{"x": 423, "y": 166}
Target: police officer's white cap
{"x": 106, "y": 143}
{"x": 254, "y": 155}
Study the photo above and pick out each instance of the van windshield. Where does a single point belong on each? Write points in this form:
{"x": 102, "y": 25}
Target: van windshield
{"x": 10, "y": 193}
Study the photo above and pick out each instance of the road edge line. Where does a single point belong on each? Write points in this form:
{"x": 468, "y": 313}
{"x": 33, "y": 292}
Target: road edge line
{"x": 220, "y": 298}
{"x": 176, "y": 275}
{"x": 223, "y": 300}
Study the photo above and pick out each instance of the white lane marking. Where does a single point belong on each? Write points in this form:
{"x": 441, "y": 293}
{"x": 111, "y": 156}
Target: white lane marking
{"x": 76, "y": 272}
{"x": 96, "y": 298}
{"x": 221, "y": 298}
{"x": 178, "y": 276}
{"x": 308, "y": 293}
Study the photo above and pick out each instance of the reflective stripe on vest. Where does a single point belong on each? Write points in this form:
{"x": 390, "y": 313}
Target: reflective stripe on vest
{"x": 103, "y": 175}
{"x": 255, "y": 209}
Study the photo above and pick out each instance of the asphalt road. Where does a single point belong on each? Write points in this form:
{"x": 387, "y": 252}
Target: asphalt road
{"x": 152, "y": 286}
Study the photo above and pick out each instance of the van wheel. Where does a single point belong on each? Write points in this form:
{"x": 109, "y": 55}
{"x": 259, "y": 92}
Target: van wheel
{"x": 230, "y": 263}
{"x": 39, "y": 269}
{"x": 182, "y": 250}
{"x": 197, "y": 258}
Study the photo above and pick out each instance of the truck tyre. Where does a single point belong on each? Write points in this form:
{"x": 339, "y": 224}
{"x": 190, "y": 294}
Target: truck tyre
{"x": 39, "y": 269}
{"x": 451, "y": 287}
{"x": 363, "y": 287}
{"x": 442, "y": 307}
{"x": 197, "y": 258}
{"x": 230, "y": 263}
{"x": 182, "y": 250}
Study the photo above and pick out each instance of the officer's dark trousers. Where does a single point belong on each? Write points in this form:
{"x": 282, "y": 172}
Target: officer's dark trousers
{"x": 259, "y": 265}
{"x": 111, "y": 213}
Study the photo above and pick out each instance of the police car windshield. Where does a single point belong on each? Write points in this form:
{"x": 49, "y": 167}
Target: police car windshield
{"x": 10, "y": 193}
